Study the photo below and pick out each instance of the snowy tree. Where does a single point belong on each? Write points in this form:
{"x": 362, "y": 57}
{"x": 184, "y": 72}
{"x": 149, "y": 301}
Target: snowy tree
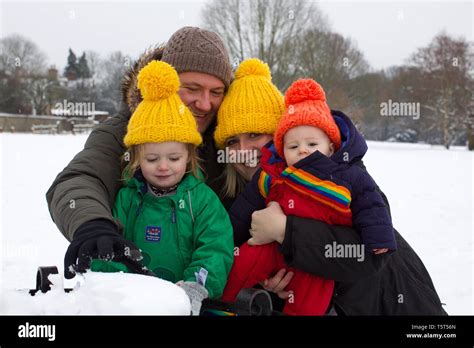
{"x": 447, "y": 68}
{"x": 18, "y": 53}
{"x": 94, "y": 63}
{"x": 111, "y": 73}
{"x": 23, "y": 67}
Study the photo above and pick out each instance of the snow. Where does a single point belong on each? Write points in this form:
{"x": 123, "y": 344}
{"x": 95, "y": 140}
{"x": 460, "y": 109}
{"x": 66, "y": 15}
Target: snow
{"x": 102, "y": 293}
{"x": 430, "y": 190}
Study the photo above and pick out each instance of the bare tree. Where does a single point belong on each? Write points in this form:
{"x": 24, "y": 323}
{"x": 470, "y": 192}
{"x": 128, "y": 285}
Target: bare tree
{"x": 265, "y": 29}
{"x": 332, "y": 60}
{"x": 20, "y": 53}
{"x": 111, "y": 75}
{"x": 366, "y": 93}
{"x": 94, "y": 62}
{"x": 447, "y": 65}
{"x": 24, "y": 65}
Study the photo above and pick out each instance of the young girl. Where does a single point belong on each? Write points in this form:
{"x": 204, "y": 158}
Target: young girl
{"x": 178, "y": 222}
{"x": 311, "y": 171}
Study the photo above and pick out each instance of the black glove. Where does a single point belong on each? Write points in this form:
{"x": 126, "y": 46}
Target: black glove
{"x": 98, "y": 239}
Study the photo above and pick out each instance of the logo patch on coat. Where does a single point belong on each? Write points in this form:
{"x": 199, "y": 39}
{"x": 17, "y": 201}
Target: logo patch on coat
{"x": 153, "y": 234}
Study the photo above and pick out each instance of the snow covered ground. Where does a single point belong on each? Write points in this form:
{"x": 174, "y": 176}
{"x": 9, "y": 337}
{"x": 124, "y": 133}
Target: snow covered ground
{"x": 28, "y": 238}
{"x": 429, "y": 188}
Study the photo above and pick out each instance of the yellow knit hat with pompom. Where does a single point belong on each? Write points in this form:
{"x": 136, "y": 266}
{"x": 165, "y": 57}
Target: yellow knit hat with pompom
{"x": 253, "y": 103}
{"x": 161, "y": 116}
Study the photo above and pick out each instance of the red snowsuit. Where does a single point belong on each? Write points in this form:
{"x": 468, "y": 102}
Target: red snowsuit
{"x": 299, "y": 192}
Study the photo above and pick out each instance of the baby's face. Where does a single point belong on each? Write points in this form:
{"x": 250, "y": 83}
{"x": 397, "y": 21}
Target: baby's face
{"x": 302, "y": 141}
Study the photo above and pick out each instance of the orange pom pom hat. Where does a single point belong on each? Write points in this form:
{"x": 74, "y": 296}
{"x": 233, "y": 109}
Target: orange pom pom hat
{"x": 305, "y": 104}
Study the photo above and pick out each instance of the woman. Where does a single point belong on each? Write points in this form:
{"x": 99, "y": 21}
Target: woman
{"x": 387, "y": 284}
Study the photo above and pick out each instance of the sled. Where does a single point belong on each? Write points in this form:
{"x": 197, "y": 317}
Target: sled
{"x": 249, "y": 301}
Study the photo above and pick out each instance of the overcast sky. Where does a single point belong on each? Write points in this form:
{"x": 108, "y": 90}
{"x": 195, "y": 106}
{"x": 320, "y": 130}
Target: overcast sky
{"x": 386, "y": 32}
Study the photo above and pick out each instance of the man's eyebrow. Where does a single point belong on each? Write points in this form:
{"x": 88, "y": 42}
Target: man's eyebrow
{"x": 221, "y": 88}
{"x": 195, "y": 84}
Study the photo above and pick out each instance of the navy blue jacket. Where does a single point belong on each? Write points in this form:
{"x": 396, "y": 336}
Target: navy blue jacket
{"x": 370, "y": 216}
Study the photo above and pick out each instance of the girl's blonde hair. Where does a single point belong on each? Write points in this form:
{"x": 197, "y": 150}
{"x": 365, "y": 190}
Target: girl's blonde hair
{"x": 234, "y": 182}
{"x": 131, "y": 161}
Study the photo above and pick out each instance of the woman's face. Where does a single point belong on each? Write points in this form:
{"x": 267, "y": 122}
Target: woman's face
{"x": 251, "y": 143}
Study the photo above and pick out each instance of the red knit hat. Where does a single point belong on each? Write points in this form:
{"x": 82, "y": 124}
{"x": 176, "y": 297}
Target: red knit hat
{"x": 305, "y": 104}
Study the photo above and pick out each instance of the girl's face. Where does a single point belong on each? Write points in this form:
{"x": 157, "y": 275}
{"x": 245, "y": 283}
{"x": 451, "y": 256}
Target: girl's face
{"x": 300, "y": 142}
{"x": 251, "y": 143}
{"x": 164, "y": 164}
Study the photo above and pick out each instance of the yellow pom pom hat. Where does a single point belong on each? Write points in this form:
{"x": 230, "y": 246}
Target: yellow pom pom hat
{"x": 161, "y": 116}
{"x": 253, "y": 103}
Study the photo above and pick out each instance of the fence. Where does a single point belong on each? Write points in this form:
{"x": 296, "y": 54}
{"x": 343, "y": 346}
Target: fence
{"x": 44, "y": 124}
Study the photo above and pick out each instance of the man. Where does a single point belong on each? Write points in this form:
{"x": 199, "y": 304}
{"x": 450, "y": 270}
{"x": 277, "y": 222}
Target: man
{"x": 81, "y": 197}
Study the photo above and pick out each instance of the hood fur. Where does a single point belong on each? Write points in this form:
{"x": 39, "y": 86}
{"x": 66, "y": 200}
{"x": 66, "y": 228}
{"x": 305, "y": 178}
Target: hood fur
{"x": 130, "y": 92}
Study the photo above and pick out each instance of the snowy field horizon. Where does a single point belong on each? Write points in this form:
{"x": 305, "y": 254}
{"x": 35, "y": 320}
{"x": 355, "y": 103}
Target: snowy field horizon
{"x": 430, "y": 190}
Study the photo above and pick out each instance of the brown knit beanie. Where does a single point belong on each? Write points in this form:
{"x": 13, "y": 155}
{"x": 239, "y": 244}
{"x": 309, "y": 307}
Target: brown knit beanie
{"x": 200, "y": 50}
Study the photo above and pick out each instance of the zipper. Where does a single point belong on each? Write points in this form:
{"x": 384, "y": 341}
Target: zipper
{"x": 139, "y": 208}
{"x": 177, "y": 236}
{"x": 173, "y": 215}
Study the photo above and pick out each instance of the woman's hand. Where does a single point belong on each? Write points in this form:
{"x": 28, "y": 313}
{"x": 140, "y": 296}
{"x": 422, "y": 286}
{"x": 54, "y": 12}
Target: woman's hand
{"x": 268, "y": 225}
{"x": 278, "y": 283}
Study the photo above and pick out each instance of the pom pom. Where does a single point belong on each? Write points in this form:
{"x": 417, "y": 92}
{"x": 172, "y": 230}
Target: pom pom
{"x": 158, "y": 80}
{"x": 253, "y": 66}
{"x": 302, "y": 90}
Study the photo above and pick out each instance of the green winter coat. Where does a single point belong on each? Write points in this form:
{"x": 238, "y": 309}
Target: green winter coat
{"x": 181, "y": 236}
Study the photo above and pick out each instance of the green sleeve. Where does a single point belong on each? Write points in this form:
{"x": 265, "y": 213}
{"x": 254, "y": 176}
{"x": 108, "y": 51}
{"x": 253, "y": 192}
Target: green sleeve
{"x": 108, "y": 266}
{"x": 213, "y": 239}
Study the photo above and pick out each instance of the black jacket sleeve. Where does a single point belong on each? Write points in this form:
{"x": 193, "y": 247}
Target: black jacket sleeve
{"x": 241, "y": 211}
{"x": 307, "y": 240}
{"x": 305, "y": 245}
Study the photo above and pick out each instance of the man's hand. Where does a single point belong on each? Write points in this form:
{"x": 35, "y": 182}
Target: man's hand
{"x": 278, "y": 283}
{"x": 268, "y": 225}
{"x": 97, "y": 239}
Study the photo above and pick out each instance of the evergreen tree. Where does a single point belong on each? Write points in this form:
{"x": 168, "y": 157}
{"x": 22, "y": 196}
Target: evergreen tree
{"x": 71, "y": 71}
{"x": 83, "y": 67}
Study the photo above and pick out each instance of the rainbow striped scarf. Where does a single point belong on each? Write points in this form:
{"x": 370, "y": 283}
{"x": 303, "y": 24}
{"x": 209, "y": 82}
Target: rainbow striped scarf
{"x": 323, "y": 191}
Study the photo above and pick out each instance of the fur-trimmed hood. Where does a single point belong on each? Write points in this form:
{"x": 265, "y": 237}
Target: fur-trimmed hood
{"x": 130, "y": 92}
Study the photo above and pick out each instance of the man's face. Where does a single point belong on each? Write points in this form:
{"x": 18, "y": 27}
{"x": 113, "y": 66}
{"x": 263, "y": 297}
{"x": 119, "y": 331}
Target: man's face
{"x": 202, "y": 94}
